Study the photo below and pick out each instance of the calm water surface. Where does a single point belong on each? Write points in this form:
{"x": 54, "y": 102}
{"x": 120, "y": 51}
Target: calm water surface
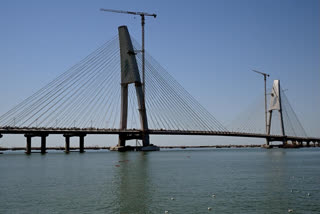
{"x": 243, "y": 181}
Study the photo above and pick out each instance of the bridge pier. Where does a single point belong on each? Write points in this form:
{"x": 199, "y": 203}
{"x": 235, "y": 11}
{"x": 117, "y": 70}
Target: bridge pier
{"x": 43, "y": 144}
{"x": 43, "y": 147}
{"x": 1, "y": 135}
{"x": 308, "y": 143}
{"x": 81, "y": 142}
{"x": 300, "y": 143}
{"x": 67, "y": 145}
{"x": 285, "y": 141}
{"x": 296, "y": 143}
{"x": 28, "y": 145}
{"x": 267, "y": 145}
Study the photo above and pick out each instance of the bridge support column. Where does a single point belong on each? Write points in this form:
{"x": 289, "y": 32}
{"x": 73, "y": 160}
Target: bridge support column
{"x": 267, "y": 145}
{"x": 300, "y": 143}
{"x": 43, "y": 144}
{"x": 124, "y": 114}
{"x": 308, "y": 143}
{"x": 81, "y": 143}
{"x": 269, "y": 127}
{"x": 67, "y": 145}
{"x": 1, "y": 135}
{"x": 28, "y": 145}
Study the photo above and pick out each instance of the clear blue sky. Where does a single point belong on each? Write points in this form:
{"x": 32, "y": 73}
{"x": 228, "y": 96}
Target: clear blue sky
{"x": 208, "y": 46}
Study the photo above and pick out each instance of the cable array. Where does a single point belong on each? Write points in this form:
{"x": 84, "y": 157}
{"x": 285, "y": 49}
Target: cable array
{"x": 252, "y": 119}
{"x": 293, "y": 126}
{"x": 83, "y": 96}
{"x": 88, "y": 95}
{"x": 291, "y": 123}
{"x": 169, "y": 105}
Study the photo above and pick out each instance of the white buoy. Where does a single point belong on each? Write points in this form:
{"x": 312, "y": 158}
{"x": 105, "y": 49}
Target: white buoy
{"x": 308, "y": 194}
{"x": 213, "y": 195}
{"x": 172, "y": 199}
{"x": 166, "y": 212}
{"x": 209, "y": 208}
{"x": 290, "y": 210}
{"x": 291, "y": 191}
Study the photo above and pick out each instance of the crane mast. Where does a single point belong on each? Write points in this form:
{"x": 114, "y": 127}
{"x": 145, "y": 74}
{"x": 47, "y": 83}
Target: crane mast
{"x": 265, "y": 96}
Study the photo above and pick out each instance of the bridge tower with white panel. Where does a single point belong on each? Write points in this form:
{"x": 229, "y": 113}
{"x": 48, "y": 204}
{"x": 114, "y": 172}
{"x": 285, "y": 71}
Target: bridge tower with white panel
{"x": 275, "y": 104}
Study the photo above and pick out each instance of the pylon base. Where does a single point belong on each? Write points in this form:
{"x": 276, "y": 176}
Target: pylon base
{"x": 267, "y": 146}
{"x": 135, "y": 148}
{"x": 122, "y": 148}
{"x": 149, "y": 148}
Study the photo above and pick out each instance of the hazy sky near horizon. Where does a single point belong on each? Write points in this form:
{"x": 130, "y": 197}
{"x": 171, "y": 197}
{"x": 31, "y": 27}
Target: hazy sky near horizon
{"x": 209, "y": 47}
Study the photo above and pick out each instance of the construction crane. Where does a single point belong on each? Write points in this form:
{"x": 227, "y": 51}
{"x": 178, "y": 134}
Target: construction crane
{"x": 142, "y": 15}
{"x": 265, "y": 95}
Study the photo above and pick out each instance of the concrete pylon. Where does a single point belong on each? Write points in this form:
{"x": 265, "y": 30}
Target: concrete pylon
{"x": 276, "y": 104}
{"x": 130, "y": 75}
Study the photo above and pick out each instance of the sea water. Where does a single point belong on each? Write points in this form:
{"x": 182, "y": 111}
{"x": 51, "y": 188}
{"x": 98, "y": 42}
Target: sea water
{"x": 247, "y": 180}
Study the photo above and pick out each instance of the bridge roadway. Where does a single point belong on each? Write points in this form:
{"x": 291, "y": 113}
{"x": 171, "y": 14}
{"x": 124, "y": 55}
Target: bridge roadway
{"x": 85, "y": 131}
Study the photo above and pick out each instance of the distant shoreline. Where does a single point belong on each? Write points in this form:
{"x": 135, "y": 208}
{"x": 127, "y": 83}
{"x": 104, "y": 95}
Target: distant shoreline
{"x": 162, "y": 147}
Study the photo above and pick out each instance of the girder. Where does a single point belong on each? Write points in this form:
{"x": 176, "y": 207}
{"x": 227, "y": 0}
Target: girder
{"x": 137, "y": 134}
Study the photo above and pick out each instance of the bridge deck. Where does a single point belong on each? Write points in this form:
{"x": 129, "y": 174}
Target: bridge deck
{"x": 85, "y": 131}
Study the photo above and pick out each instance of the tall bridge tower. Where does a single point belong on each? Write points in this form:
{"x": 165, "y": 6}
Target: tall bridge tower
{"x": 276, "y": 104}
{"x": 130, "y": 75}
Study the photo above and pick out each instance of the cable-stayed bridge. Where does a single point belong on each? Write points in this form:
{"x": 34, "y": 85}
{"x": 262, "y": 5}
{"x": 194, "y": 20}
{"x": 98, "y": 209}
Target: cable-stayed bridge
{"x": 103, "y": 94}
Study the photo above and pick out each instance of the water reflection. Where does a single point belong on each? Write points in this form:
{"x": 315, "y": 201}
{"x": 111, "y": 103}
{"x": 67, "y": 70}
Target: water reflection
{"x": 133, "y": 182}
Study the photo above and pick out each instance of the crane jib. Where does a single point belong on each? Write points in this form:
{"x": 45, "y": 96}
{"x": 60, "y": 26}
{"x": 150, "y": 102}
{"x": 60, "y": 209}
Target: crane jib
{"x": 130, "y": 12}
